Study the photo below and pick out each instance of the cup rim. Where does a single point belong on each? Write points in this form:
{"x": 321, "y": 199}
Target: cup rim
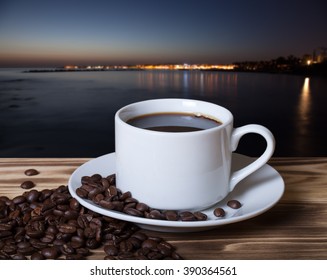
{"x": 118, "y": 117}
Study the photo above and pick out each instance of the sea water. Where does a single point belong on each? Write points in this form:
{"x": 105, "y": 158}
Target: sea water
{"x": 71, "y": 114}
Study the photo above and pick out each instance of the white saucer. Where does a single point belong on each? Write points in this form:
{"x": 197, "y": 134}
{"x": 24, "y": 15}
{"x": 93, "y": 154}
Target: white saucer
{"x": 258, "y": 193}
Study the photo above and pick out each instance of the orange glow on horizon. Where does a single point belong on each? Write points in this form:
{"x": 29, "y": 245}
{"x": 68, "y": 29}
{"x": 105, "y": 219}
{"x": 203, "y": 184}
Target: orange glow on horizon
{"x": 155, "y": 67}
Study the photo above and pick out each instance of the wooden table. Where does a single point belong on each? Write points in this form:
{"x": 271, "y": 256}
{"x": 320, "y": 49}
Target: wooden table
{"x": 295, "y": 228}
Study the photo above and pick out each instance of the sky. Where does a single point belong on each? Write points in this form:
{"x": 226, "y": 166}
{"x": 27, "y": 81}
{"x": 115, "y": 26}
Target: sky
{"x": 105, "y": 32}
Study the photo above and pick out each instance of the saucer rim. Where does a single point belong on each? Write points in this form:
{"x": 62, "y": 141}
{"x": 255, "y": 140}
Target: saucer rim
{"x": 171, "y": 224}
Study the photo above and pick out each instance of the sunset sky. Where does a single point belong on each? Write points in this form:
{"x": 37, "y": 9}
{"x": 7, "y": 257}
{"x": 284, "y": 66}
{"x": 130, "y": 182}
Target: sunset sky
{"x": 61, "y": 32}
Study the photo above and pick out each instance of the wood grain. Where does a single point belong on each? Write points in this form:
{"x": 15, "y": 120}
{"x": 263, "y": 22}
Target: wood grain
{"x": 295, "y": 228}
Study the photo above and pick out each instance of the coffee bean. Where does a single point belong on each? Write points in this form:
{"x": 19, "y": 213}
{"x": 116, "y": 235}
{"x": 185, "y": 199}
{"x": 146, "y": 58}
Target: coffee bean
{"x": 9, "y": 249}
{"x": 155, "y": 214}
{"x": 93, "y": 193}
{"x": 66, "y": 228}
{"x": 126, "y": 246}
{"x": 135, "y": 242}
{"x": 95, "y": 223}
{"x": 27, "y": 185}
{"x": 129, "y": 205}
{"x": 126, "y": 256}
{"x": 83, "y": 221}
{"x": 96, "y": 177}
{"x": 67, "y": 249}
{"x": 37, "y": 244}
{"x": 83, "y": 251}
{"x": 143, "y": 252}
{"x": 70, "y": 214}
{"x": 125, "y": 195}
{"x": 48, "y": 238}
{"x": 118, "y": 205}
{"x": 154, "y": 256}
{"x": 140, "y": 236}
{"x": 47, "y": 205}
{"x": 149, "y": 243}
{"x": 219, "y": 212}
{"x": 89, "y": 232}
{"x": 142, "y": 207}
{"x": 6, "y": 227}
{"x": 27, "y": 251}
{"x": 31, "y": 172}
{"x": 105, "y": 182}
{"x": 45, "y": 194}
{"x": 92, "y": 243}
{"x": 34, "y": 233}
{"x": 112, "y": 179}
{"x": 15, "y": 212}
{"x": 19, "y": 199}
{"x": 19, "y": 256}
{"x": 60, "y": 198}
{"x": 133, "y": 212}
{"x": 171, "y": 215}
{"x": 52, "y": 229}
{"x": 24, "y": 244}
{"x": 32, "y": 196}
{"x": 235, "y": 204}
{"x": 85, "y": 179}
{"x": 82, "y": 192}
{"x": 112, "y": 191}
{"x": 50, "y": 252}
{"x": 64, "y": 236}
{"x": 165, "y": 248}
{"x": 4, "y": 256}
{"x": 77, "y": 241}
{"x": 187, "y": 216}
{"x": 37, "y": 256}
{"x": 57, "y": 212}
{"x": 88, "y": 187}
{"x": 74, "y": 204}
{"x": 98, "y": 198}
{"x": 200, "y": 216}
{"x": 111, "y": 250}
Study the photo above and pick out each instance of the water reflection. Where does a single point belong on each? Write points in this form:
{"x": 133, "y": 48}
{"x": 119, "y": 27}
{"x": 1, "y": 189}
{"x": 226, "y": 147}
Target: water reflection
{"x": 303, "y": 115}
{"x": 305, "y": 105}
{"x": 204, "y": 83}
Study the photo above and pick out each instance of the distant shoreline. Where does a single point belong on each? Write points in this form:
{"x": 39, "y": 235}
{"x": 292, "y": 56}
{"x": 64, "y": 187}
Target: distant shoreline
{"x": 319, "y": 70}
{"x": 76, "y": 70}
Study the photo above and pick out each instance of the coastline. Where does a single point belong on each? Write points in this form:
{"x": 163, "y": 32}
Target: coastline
{"x": 313, "y": 70}
{"x": 319, "y": 70}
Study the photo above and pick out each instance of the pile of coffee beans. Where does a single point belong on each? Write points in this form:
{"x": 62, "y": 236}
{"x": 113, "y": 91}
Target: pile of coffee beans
{"x": 50, "y": 224}
{"x": 103, "y": 191}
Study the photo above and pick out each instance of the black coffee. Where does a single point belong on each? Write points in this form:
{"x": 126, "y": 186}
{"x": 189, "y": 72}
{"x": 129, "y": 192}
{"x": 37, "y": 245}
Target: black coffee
{"x": 174, "y": 122}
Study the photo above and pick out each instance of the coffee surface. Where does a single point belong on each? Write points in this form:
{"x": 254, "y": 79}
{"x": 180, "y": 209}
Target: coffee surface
{"x": 174, "y": 122}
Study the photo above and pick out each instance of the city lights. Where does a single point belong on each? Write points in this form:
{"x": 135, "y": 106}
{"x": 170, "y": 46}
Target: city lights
{"x": 184, "y": 66}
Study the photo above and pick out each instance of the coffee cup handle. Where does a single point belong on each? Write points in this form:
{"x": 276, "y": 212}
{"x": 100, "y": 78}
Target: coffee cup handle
{"x": 237, "y": 134}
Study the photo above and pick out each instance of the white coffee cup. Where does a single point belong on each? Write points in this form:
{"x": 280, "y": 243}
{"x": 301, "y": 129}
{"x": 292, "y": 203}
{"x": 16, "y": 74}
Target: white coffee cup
{"x": 183, "y": 170}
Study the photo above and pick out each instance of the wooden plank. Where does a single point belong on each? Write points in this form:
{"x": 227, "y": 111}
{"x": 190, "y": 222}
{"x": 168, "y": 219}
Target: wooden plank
{"x": 295, "y": 228}
{"x": 305, "y": 178}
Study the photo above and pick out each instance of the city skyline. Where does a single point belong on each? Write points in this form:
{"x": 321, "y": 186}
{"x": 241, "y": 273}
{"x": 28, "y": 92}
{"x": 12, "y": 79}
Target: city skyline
{"x": 38, "y": 34}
